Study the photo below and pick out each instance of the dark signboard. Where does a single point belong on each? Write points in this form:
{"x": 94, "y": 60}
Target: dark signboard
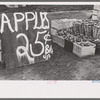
{"x": 26, "y": 38}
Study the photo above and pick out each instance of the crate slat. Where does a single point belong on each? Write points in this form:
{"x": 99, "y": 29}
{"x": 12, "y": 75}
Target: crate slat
{"x": 58, "y": 40}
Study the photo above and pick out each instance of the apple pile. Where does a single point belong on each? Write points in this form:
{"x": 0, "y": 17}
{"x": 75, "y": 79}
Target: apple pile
{"x": 84, "y": 30}
{"x": 85, "y": 44}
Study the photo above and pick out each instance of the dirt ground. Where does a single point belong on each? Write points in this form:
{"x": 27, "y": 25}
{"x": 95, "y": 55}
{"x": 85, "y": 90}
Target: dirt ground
{"x": 62, "y": 66}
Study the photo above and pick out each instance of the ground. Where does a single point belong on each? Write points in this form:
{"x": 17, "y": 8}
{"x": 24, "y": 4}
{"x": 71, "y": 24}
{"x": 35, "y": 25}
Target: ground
{"x": 62, "y": 66}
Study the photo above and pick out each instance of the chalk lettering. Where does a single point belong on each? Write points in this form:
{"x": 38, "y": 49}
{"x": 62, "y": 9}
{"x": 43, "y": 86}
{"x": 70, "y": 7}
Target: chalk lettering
{"x": 44, "y": 18}
{"x": 7, "y": 21}
{"x": 47, "y": 37}
{"x": 18, "y": 20}
{"x": 36, "y": 22}
{"x": 48, "y": 52}
{"x": 27, "y": 19}
{"x": 28, "y": 47}
{"x": 48, "y": 48}
{"x": 19, "y": 17}
{"x": 24, "y": 48}
{"x": 38, "y": 42}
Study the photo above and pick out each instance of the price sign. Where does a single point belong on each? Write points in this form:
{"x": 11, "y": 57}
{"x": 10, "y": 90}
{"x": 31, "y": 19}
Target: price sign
{"x": 26, "y": 38}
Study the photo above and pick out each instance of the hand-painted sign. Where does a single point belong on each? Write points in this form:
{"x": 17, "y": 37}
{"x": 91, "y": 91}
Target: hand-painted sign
{"x": 26, "y": 38}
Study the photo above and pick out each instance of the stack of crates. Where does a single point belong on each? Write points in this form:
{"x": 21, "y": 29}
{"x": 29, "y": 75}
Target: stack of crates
{"x": 79, "y": 28}
{"x": 60, "y": 24}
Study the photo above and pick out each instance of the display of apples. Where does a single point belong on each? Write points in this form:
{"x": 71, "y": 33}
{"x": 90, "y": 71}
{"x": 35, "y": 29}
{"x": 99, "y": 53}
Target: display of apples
{"x": 78, "y": 26}
{"x": 84, "y": 44}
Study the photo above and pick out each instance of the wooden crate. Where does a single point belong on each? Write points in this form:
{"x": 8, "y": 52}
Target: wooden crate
{"x": 58, "y": 40}
{"x": 83, "y": 51}
{"x": 55, "y": 39}
{"x": 97, "y": 51}
{"x": 53, "y": 31}
{"x": 68, "y": 46}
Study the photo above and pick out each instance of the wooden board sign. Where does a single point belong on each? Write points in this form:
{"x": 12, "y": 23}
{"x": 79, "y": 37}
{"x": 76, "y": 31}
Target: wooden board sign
{"x": 26, "y": 38}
